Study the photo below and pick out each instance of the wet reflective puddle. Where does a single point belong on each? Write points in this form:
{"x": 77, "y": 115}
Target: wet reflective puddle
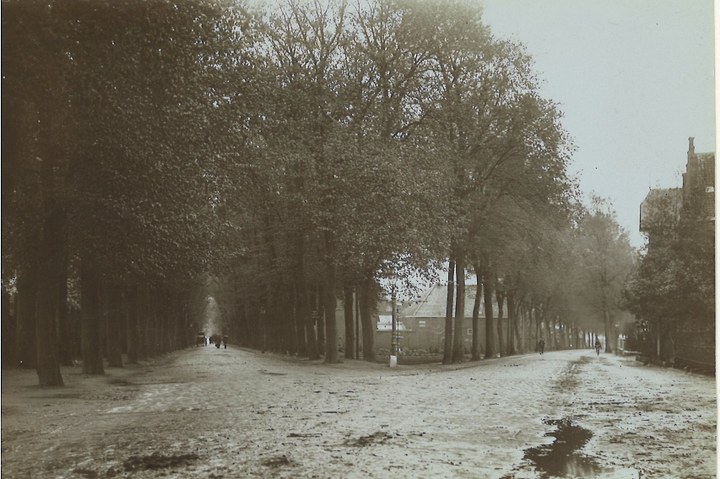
{"x": 561, "y": 458}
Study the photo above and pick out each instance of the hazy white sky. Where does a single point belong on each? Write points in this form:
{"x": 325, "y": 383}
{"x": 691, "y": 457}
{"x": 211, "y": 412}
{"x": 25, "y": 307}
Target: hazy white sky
{"x": 635, "y": 79}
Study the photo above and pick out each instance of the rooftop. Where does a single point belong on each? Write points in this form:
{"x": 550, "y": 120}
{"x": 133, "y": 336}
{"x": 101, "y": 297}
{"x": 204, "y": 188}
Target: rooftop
{"x": 432, "y": 303}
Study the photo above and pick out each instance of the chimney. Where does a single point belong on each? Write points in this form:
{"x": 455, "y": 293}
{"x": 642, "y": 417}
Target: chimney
{"x": 691, "y": 147}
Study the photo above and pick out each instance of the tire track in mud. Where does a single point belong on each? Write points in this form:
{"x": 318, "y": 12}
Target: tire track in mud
{"x": 653, "y": 419}
{"x": 568, "y": 379}
{"x": 643, "y": 423}
{"x": 565, "y": 455}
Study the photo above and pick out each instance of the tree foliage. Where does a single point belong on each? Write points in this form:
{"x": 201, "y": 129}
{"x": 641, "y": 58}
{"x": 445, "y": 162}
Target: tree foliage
{"x": 672, "y": 292}
{"x": 276, "y": 158}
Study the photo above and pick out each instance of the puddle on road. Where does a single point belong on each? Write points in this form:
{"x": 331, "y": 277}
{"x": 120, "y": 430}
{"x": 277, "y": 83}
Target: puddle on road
{"x": 561, "y": 458}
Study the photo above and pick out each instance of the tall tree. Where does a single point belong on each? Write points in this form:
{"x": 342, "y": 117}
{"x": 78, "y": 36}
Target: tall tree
{"x": 606, "y": 263}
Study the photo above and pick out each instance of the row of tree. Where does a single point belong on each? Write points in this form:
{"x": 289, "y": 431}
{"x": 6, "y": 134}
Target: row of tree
{"x": 278, "y": 158}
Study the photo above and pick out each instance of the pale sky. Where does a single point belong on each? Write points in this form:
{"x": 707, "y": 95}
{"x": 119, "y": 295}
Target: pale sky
{"x": 635, "y": 79}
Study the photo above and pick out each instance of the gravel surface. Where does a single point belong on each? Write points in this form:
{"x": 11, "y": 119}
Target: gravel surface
{"x": 210, "y": 413}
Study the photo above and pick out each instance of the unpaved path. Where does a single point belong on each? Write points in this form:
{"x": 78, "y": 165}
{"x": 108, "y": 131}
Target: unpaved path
{"x": 207, "y": 412}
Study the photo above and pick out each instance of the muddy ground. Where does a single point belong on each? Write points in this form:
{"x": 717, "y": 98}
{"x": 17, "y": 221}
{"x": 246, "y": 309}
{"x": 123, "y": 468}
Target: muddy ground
{"x": 211, "y": 413}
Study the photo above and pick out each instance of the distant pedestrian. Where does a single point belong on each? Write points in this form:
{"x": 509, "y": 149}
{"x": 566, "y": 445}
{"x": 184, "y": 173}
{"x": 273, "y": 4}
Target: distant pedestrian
{"x": 224, "y": 340}
{"x": 541, "y": 346}
{"x": 598, "y": 346}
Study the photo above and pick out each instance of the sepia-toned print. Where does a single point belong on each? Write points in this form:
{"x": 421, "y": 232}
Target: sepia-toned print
{"x": 358, "y": 239}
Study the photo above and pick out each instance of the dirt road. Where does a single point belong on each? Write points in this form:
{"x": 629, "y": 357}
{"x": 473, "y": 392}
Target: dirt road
{"x": 209, "y": 413}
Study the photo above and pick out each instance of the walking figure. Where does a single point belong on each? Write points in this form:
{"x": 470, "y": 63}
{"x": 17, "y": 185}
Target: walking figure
{"x": 597, "y": 346}
{"x": 541, "y": 346}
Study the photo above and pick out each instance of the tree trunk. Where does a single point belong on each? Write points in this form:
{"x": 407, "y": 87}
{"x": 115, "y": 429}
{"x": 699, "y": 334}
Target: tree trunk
{"x": 529, "y": 331}
{"x": 155, "y": 322}
{"x": 270, "y": 323}
{"x": 48, "y": 366}
{"x": 249, "y": 331}
{"x": 131, "y": 324}
{"x": 476, "y": 316}
{"x": 447, "y": 354}
{"x": 509, "y": 336}
{"x": 303, "y": 310}
{"x": 301, "y": 342}
{"x": 606, "y": 321}
{"x": 262, "y": 326}
{"x": 368, "y": 329}
{"x": 8, "y": 330}
{"x": 289, "y": 323}
{"x": 64, "y": 331}
{"x": 349, "y": 320}
{"x": 488, "y": 288}
{"x": 500, "y": 297}
{"x": 183, "y": 337}
{"x": 518, "y": 326}
{"x": 331, "y": 350}
{"x": 177, "y": 322}
{"x": 550, "y": 336}
{"x": 319, "y": 301}
{"x": 512, "y": 325}
{"x": 53, "y": 242}
{"x": 161, "y": 316}
{"x": 310, "y": 332}
{"x": 560, "y": 333}
{"x": 526, "y": 328}
{"x": 147, "y": 324}
{"x": 113, "y": 330}
{"x": 557, "y": 330}
{"x": 25, "y": 350}
{"x": 285, "y": 327}
{"x": 357, "y": 323}
{"x": 459, "y": 327}
{"x": 23, "y": 176}
{"x": 90, "y": 305}
{"x": 575, "y": 341}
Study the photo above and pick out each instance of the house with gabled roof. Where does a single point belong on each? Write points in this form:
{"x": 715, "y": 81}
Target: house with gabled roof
{"x": 421, "y": 323}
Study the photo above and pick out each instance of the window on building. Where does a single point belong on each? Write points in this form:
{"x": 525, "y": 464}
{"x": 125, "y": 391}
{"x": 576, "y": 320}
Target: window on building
{"x": 469, "y": 332}
{"x": 421, "y": 324}
{"x": 710, "y": 189}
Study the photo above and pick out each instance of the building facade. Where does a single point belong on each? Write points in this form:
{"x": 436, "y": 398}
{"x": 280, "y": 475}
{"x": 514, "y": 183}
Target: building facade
{"x": 677, "y": 223}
